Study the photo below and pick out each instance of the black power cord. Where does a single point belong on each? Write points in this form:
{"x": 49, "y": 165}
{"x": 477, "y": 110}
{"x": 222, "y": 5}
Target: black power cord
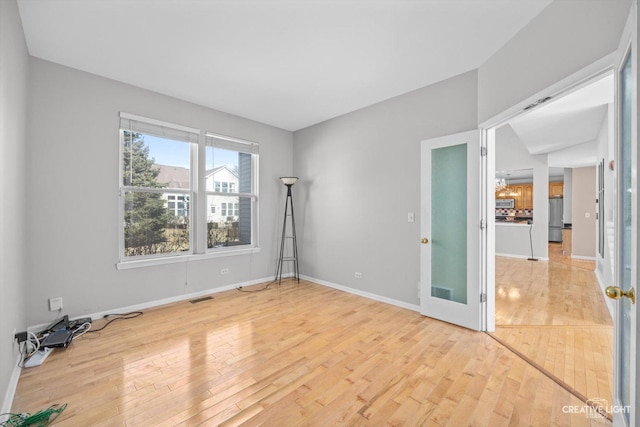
{"x": 239, "y": 288}
{"x": 124, "y": 316}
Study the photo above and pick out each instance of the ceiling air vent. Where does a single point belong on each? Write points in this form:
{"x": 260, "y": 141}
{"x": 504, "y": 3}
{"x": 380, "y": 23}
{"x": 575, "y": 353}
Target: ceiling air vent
{"x": 538, "y": 102}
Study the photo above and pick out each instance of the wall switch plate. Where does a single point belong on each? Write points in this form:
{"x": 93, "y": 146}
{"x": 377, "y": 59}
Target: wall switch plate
{"x": 411, "y": 217}
{"x": 55, "y": 304}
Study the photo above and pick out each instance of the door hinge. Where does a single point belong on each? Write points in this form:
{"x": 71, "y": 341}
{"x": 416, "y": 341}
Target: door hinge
{"x": 483, "y": 297}
{"x": 483, "y": 224}
{"x": 483, "y": 151}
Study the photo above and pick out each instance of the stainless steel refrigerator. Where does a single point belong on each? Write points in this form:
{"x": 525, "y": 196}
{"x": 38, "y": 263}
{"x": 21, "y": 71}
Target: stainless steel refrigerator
{"x": 555, "y": 220}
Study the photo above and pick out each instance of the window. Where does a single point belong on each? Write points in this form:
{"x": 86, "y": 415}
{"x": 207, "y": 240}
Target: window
{"x": 224, "y": 187}
{"x": 178, "y": 206}
{"x": 230, "y": 209}
{"x": 157, "y": 191}
{"x": 231, "y": 184}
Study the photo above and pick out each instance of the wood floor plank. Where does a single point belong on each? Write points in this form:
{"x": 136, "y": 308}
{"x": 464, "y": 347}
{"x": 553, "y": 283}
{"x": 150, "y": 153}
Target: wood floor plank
{"x": 554, "y": 313}
{"x": 297, "y": 355}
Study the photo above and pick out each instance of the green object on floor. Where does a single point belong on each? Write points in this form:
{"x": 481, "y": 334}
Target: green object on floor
{"x": 39, "y": 419}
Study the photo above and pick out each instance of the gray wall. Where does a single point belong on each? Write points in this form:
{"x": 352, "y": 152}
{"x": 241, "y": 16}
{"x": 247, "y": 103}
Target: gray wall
{"x": 14, "y": 61}
{"x": 72, "y": 205}
{"x": 359, "y": 172}
{"x": 513, "y": 240}
{"x": 585, "y": 193}
{"x": 359, "y": 179}
{"x": 564, "y": 38}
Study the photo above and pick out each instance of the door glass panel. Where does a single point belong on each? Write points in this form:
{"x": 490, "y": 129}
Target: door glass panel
{"x": 625, "y": 221}
{"x": 449, "y": 223}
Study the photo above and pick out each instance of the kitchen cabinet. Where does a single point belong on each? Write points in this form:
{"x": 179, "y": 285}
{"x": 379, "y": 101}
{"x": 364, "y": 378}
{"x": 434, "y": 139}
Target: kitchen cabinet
{"x": 556, "y": 189}
{"x": 518, "y": 198}
{"x": 523, "y": 196}
{"x": 527, "y": 196}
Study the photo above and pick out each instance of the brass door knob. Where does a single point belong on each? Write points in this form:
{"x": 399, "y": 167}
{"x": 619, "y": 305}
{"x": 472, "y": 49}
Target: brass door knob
{"x": 615, "y": 292}
{"x": 424, "y": 240}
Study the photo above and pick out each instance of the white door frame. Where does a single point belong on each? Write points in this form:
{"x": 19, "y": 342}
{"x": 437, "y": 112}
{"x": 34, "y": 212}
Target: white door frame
{"x": 628, "y": 46}
{"x": 564, "y": 87}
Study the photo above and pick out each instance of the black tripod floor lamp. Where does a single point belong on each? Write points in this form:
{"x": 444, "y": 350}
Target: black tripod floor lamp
{"x": 288, "y": 213}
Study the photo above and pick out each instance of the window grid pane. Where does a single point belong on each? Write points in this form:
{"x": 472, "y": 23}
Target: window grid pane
{"x": 154, "y": 165}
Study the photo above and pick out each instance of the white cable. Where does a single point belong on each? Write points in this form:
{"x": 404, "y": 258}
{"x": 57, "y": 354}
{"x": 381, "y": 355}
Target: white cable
{"x": 86, "y": 326}
{"x": 33, "y": 336}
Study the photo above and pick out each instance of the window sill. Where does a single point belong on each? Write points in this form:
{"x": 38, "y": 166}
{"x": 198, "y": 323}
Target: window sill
{"x": 148, "y": 262}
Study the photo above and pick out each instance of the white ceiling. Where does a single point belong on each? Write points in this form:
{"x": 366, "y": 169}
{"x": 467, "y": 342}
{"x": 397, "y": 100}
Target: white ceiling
{"x": 288, "y": 63}
{"x": 567, "y": 127}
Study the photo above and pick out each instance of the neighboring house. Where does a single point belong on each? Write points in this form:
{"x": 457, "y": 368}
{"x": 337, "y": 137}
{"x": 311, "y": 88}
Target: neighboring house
{"x": 221, "y": 209}
{"x": 223, "y": 179}
{"x": 175, "y": 177}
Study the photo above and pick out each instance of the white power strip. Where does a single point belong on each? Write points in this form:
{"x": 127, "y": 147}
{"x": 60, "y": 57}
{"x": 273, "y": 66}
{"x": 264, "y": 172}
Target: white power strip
{"x": 38, "y": 358}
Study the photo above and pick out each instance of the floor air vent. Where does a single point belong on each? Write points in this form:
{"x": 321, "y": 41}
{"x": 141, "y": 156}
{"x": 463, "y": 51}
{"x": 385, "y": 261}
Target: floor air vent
{"x": 443, "y": 293}
{"x": 197, "y": 300}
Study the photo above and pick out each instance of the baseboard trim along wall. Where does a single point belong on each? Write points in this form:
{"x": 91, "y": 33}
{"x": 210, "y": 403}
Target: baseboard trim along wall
{"x": 164, "y": 301}
{"x": 11, "y": 388}
{"x": 369, "y": 295}
{"x": 522, "y": 256}
{"x": 588, "y": 258}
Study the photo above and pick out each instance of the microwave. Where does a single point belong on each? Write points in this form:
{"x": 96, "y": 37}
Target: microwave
{"x": 505, "y": 203}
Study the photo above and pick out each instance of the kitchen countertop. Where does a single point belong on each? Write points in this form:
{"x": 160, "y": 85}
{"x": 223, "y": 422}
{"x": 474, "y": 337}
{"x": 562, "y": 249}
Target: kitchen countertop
{"x": 513, "y": 220}
{"x": 512, "y": 223}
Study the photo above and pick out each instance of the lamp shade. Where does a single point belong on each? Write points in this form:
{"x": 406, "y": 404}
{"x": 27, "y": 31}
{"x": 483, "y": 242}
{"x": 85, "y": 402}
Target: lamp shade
{"x": 288, "y": 180}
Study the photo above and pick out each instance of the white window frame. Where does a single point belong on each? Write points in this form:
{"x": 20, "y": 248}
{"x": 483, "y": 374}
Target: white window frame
{"x": 197, "y": 194}
{"x": 245, "y": 146}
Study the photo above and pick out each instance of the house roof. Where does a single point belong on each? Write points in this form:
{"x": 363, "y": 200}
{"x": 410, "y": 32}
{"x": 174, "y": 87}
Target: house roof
{"x": 232, "y": 169}
{"x": 178, "y": 177}
{"x": 173, "y": 176}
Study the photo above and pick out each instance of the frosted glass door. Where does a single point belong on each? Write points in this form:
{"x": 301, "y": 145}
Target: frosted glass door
{"x": 449, "y": 223}
{"x": 450, "y": 227}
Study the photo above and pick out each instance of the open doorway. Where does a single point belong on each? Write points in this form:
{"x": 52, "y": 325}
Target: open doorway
{"x": 553, "y": 208}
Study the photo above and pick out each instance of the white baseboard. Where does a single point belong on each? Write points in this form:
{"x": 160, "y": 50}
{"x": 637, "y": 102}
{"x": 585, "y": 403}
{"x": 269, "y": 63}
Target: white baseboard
{"x": 11, "y": 389}
{"x": 368, "y": 295}
{"x": 588, "y": 258}
{"x": 522, "y": 256}
{"x": 164, "y": 301}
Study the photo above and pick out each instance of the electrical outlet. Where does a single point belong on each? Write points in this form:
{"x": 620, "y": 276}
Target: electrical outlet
{"x": 224, "y": 271}
{"x": 20, "y": 336}
{"x": 55, "y": 304}
{"x": 358, "y": 275}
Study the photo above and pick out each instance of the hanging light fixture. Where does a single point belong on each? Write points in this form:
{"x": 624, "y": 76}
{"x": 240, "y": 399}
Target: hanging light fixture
{"x": 505, "y": 190}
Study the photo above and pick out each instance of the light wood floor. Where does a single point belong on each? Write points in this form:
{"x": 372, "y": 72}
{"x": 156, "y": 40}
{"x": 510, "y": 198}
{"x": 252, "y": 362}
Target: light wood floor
{"x": 555, "y": 314}
{"x": 295, "y": 355}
